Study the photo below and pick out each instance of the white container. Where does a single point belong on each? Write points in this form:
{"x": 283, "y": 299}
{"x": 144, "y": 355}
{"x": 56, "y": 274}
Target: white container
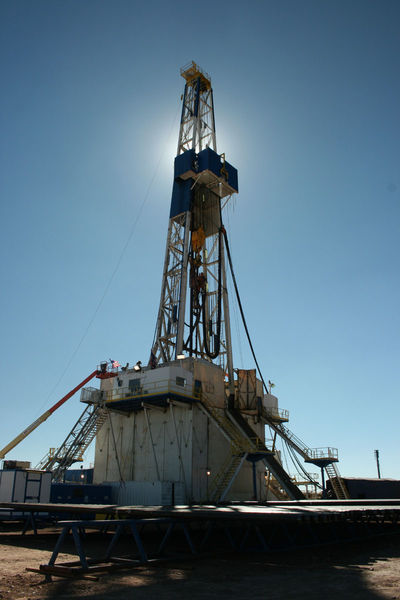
{"x": 25, "y": 486}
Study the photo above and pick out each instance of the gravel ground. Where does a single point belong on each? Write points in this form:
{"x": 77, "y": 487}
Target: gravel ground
{"x": 365, "y": 571}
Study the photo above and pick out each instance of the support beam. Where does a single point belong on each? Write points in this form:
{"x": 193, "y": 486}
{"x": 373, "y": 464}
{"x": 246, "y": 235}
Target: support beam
{"x": 152, "y": 443}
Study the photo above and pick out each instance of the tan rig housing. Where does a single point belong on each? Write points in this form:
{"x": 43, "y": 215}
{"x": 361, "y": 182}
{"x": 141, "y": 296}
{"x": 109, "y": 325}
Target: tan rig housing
{"x": 165, "y": 439}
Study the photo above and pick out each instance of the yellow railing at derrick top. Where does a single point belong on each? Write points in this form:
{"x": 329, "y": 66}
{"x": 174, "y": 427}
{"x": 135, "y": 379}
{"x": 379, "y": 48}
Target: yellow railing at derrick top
{"x": 191, "y": 72}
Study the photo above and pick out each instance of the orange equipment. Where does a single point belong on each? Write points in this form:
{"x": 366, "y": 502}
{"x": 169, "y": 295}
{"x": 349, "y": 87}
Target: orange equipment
{"x": 102, "y": 372}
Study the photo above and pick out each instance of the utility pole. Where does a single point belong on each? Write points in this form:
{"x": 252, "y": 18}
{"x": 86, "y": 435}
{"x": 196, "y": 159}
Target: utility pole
{"x": 376, "y": 452}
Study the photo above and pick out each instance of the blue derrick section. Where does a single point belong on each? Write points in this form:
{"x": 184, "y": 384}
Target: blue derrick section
{"x": 181, "y": 197}
{"x": 185, "y": 163}
{"x": 187, "y": 166}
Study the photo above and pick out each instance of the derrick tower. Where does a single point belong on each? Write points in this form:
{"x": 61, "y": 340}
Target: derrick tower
{"x": 187, "y": 427}
{"x": 193, "y": 316}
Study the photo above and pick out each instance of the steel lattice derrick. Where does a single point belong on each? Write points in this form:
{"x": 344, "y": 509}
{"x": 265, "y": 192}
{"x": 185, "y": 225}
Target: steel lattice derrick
{"x": 174, "y": 269}
{"x": 197, "y": 129}
{"x": 193, "y": 315}
{"x": 199, "y": 132}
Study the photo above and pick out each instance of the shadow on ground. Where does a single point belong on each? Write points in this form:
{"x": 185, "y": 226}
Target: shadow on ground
{"x": 364, "y": 571}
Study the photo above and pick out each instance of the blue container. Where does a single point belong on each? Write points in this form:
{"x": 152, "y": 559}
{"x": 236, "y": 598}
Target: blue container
{"x": 75, "y": 493}
{"x": 79, "y": 475}
{"x": 232, "y": 176}
{"x": 185, "y": 164}
{"x": 211, "y": 161}
{"x": 181, "y": 197}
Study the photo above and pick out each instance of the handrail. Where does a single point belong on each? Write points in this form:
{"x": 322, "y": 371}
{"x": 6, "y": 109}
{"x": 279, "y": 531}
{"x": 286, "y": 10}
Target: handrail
{"x": 190, "y": 70}
{"x": 238, "y": 440}
{"x": 291, "y": 436}
{"x": 218, "y": 477}
{"x": 317, "y": 453}
{"x": 149, "y": 388}
{"x": 308, "y": 453}
{"x": 91, "y": 395}
{"x": 280, "y": 413}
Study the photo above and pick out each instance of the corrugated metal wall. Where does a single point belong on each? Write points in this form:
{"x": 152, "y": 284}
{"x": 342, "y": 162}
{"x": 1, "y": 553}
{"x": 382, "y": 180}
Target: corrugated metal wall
{"x": 148, "y": 493}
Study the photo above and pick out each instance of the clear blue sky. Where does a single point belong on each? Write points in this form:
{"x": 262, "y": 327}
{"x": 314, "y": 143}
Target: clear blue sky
{"x": 307, "y": 108}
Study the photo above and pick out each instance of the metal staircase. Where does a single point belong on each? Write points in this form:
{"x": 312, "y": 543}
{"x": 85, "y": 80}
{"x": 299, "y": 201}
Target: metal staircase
{"x": 76, "y": 443}
{"x": 240, "y": 442}
{"x": 323, "y": 457}
{"x": 337, "y": 483}
{"x": 285, "y": 433}
{"x": 240, "y": 447}
{"x": 276, "y": 489}
{"x": 244, "y": 441}
{"x": 269, "y": 459}
{"x": 222, "y": 482}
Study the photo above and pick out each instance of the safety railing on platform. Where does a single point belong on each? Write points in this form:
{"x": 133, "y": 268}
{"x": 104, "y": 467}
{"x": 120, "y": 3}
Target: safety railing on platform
{"x": 323, "y": 453}
{"x": 150, "y": 388}
{"x": 309, "y": 454}
{"x": 192, "y": 71}
{"x": 279, "y": 414}
{"x": 91, "y": 395}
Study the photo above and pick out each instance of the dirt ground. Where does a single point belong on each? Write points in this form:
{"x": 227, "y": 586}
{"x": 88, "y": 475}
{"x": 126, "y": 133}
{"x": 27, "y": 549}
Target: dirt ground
{"x": 365, "y": 571}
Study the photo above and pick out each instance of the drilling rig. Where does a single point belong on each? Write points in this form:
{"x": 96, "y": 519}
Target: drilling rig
{"x": 187, "y": 427}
